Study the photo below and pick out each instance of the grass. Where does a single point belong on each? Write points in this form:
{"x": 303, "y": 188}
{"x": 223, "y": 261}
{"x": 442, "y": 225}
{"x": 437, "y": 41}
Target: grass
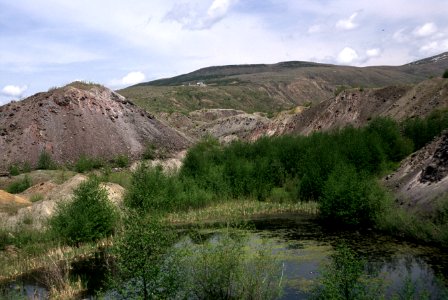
{"x": 25, "y": 260}
{"x": 240, "y": 209}
{"x": 39, "y": 176}
{"x": 19, "y": 185}
{"x": 36, "y": 197}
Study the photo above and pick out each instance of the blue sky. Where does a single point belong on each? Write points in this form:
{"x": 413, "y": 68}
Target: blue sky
{"x": 48, "y": 43}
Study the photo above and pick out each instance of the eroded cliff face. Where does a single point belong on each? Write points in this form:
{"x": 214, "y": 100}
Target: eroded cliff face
{"x": 80, "y": 119}
{"x": 422, "y": 178}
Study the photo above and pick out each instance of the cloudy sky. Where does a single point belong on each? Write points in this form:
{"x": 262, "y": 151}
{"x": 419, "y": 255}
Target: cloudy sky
{"x": 48, "y": 43}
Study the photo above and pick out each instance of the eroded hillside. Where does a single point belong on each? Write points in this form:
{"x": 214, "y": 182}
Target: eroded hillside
{"x": 79, "y": 119}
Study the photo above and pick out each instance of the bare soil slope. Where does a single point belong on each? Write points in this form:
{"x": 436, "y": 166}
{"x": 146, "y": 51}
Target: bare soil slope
{"x": 79, "y": 119}
{"x": 423, "y": 177}
{"x": 357, "y": 106}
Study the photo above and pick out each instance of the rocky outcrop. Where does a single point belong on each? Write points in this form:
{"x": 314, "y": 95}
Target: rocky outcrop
{"x": 422, "y": 178}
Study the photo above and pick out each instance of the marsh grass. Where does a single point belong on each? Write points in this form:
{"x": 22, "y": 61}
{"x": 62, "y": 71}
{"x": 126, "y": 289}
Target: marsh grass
{"x": 240, "y": 209}
{"x": 41, "y": 255}
{"x": 434, "y": 229}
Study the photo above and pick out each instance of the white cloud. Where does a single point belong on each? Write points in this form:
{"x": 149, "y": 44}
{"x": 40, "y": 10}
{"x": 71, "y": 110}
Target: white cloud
{"x": 434, "y": 47}
{"x": 347, "y": 56}
{"x": 401, "y": 36}
{"x": 133, "y": 78}
{"x": 14, "y": 90}
{"x": 194, "y": 18}
{"x": 347, "y": 24}
{"x": 425, "y": 30}
{"x": 375, "y": 52}
{"x": 315, "y": 29}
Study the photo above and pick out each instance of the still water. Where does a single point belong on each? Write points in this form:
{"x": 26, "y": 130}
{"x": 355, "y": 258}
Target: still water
{"x": 303, "y": 245}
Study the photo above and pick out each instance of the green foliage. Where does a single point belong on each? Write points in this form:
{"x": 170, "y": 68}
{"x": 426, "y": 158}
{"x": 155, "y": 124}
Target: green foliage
{"x": 336, "y": 168}
{"x": 445, "y": 74}
{"x": 45, "y": 161}
{"x": 149, "y": 152}
{"x": 88, "y": 217}
{"x": 432, "y": 228}
{"x": 19, "y": 185}
{"x": 26, "y": 167}
{"x": 85, "y": 164}
{"x": 14, "y": 170}
{"x": 222, "y": 268}
{"x": 394, "y": 145}
{"x": 25, "y": 239}
{"x": 344, "y": 278}
{"x": 351, "y": 198}
{"x": 152, "y": 189}
{"x": 140, "y": 250}
{"x": 423, "y": 130}
{"x": 17, "y": 169}
{"x": 121, "y": 161}
{"x": 36, "y": 197}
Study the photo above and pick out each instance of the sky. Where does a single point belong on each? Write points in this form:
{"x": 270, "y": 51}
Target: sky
{"x": 49, "y": 43}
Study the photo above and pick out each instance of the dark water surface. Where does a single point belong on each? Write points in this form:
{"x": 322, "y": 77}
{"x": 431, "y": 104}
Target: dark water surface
{"x": 302, "y": 245}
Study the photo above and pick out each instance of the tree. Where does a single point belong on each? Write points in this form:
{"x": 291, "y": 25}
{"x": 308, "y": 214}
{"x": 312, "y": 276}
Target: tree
{"x": 351, "y": 198}
{"x": 88, "y": 217}
{"x": 345, "y": 278}
{"x": 140, "y": 251}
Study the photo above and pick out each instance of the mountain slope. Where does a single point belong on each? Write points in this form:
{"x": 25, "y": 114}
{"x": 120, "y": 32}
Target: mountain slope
{"x": 79, "y": 119}
{"x": 271, "y": 88}
{"x": 357, "y": 106}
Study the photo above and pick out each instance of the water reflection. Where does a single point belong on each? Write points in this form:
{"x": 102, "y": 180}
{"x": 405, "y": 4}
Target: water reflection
{"x": 302, "y": 244}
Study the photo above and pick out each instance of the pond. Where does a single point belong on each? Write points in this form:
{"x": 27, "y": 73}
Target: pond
{"x": 302, "y": 245}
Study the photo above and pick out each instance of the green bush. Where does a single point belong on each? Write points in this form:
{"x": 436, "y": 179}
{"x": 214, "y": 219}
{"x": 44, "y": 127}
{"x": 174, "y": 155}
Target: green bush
{"x": 153, "y": 190}
{"x": 14, "y": 170}
{"x": 423, "y": 130}
{"x": 45, "y": 161}
{"x": 88, "y": 217}
{"x": 121, "y": 161}
{"x": 19, "y": 185}
{"x": 445, "y": 74}
{"x": 149, "y": 152}
{"x": 344, "y": 277}
{"x": 85, "y": 164}
{"x": 140, "y": 250}
{"x": 351, "y": 198}
{"x": 223, "y": 268}
{"x": 26, "y": 167}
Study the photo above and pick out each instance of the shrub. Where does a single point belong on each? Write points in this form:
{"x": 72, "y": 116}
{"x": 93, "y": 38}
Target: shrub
{"x": 152, "y": 189}
{"x": 445, "y": 74}
{"x": 149, "y": 152}
{"x": 223, "y": 268}
{"x": 344, "y": 277}
{"x": 351, "y": 198}
{"x": 140, "y": 251}
{"x": 26, "y": 167}
{"x": 14, "y": 170}
{"x": 121, "y": 161}
{"x": 85, "y": 164}
{"x": 88, "y": 217}
{"x": 36, "y": 197}
{"x": 19, "y": 185}
{"x": 44, "y": 161}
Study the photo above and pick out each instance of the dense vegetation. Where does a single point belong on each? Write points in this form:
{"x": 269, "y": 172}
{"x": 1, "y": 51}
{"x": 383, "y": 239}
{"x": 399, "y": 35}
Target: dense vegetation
{"x": 88, "y": 217}
{"x": 337, "y": 168}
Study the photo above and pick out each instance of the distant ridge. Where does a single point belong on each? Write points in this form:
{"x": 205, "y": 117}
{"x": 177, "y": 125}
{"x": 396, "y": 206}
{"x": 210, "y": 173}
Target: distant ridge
{"x": 272, "y": 88}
